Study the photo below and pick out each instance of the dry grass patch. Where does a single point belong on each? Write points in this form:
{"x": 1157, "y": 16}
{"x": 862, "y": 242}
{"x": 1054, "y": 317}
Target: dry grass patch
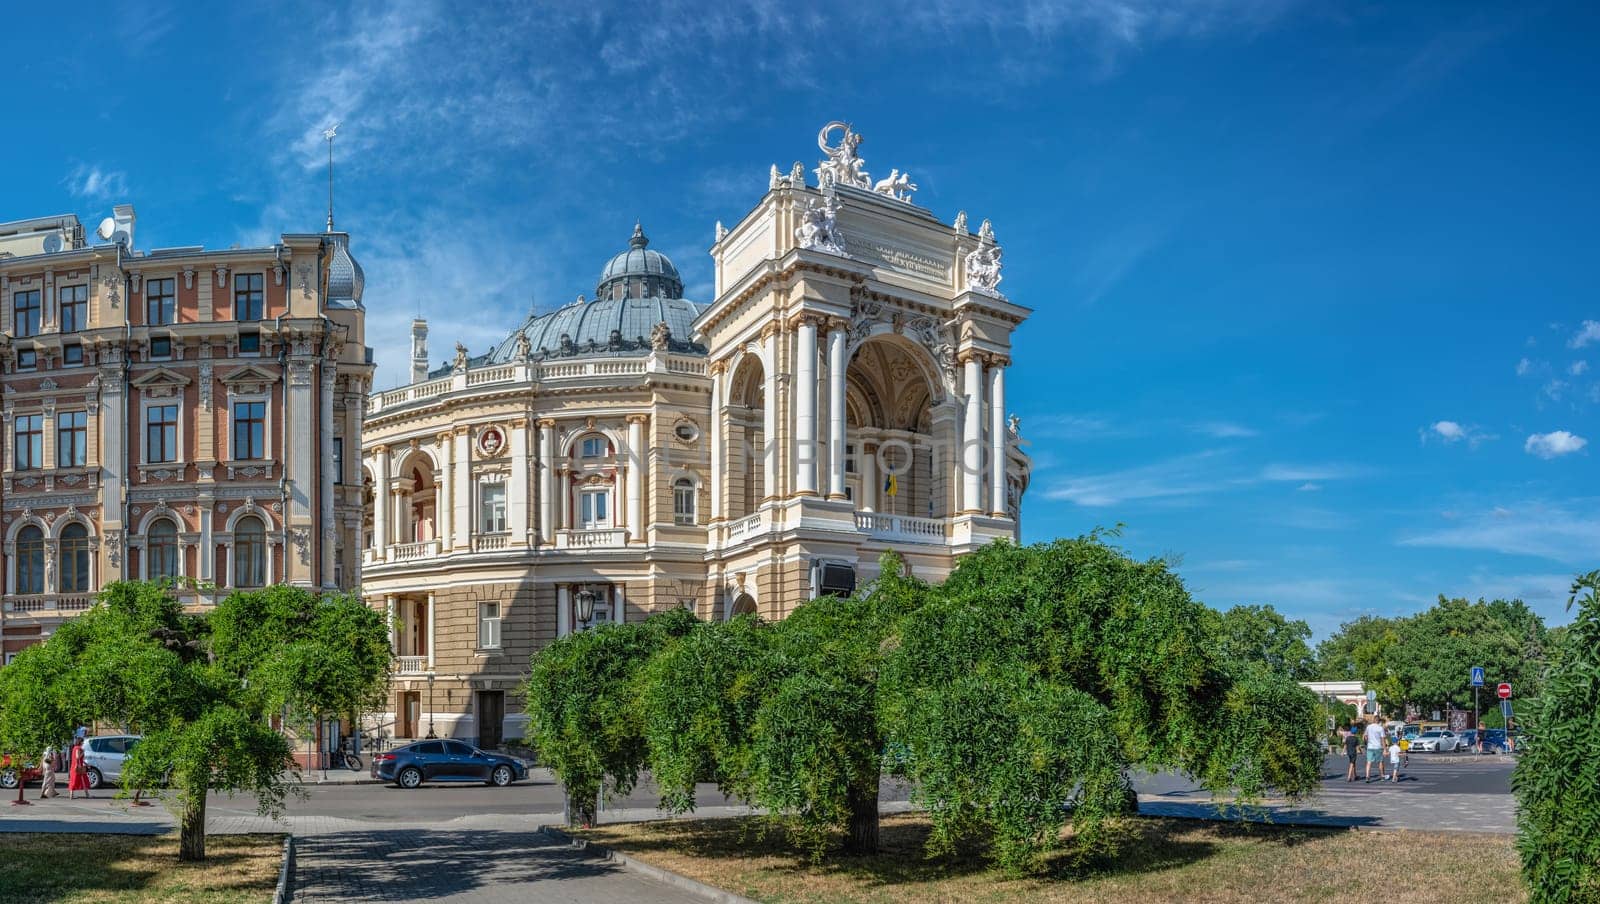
{"x": 1157, "y": 860}
{"x": 123, "y": 869}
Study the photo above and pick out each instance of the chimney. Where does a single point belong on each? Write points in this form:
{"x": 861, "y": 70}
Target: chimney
{"x": 419, "y": 350}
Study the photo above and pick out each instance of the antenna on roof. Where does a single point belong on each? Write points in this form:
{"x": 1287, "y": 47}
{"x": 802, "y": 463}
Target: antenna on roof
{"x": 328, "y": 136}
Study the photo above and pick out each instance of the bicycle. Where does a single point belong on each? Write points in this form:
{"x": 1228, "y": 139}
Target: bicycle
{"x": 346, "y": 756}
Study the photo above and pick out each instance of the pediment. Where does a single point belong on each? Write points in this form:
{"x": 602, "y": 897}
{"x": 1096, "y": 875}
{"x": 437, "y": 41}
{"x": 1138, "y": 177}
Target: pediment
{"x": 250, "y": 373}
{"x": 160, "y": 382}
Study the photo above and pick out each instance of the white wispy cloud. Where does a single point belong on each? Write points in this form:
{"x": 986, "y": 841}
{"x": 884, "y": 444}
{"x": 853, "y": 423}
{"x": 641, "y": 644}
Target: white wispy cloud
{"x": 1226, "y": 430}
{"x": 1578, "y": 368}
{"x": 97, "y": 183}
{"x": 1455, "y": 432}
{"x": 1188, "y": 476}
{"x": 1281, "y": 473}
{"x": 1554, "y": 444}
{"x": 1588, "y": 332}
{"x": 1567, "y": 533}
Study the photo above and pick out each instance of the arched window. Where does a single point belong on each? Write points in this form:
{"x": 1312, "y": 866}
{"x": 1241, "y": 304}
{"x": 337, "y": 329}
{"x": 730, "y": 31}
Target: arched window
{"x": 75, "y": 558}
{"x": 161, "y": 550}
{"x": 683, "y": 501}
{"x": 249, "y": 552}
{"x": 30, "y": 560}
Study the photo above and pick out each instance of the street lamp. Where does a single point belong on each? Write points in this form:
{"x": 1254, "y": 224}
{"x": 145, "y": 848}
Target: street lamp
{"x": 430, "y": 706}
{"x": 586, "y": 599}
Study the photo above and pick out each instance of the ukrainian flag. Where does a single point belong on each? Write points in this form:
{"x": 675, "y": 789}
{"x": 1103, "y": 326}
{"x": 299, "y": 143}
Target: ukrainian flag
{"x": 891, "y": 485}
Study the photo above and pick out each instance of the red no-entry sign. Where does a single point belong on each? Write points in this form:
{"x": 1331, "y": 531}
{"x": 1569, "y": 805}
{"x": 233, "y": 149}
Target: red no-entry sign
{"x": 1504, "y": 690}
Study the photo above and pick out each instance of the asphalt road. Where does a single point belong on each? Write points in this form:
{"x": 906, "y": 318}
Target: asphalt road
{"x": 1428, "y": 774}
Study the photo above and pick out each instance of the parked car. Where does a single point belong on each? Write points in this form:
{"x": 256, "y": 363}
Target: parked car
{"x": 1467, "y": 740}
{"x": 445, "y": 761}
{"x": 103, "y": 756}
{"x": 9, "y": 775}
{"x": 1437, "y": 741}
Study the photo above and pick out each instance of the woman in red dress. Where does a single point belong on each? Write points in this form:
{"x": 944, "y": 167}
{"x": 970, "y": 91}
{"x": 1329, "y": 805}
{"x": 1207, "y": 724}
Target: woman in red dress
{"x": 77, "y": 775}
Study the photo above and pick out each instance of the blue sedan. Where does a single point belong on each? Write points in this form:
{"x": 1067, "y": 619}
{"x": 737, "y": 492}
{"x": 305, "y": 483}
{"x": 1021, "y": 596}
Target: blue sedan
{"x": 446, "y": 761}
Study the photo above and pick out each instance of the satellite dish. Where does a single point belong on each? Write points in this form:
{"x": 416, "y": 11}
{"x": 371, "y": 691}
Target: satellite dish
{"x": 108, "y": 226}
{"x": 52, "y": 243}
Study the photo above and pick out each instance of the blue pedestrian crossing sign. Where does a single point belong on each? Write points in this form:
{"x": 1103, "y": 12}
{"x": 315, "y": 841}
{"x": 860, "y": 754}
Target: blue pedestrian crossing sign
{"x": 1477, "y": 676}
{"x": 1505, "y": 708}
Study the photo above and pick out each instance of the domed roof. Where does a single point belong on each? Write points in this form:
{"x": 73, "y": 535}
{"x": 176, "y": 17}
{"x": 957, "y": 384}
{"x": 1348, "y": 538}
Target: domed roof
{"x": 604, "y": 326}
{"x": 346, "y": 279}
{"x": 660, "y": 277}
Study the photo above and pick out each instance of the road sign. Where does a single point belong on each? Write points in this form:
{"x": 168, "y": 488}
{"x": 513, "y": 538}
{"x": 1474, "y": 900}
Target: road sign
{"x": 1505, "y": 709}
{"x": 1477, "y": 676}
{"x": 1372, "y": 696}
{"x": 1504, "y": 690}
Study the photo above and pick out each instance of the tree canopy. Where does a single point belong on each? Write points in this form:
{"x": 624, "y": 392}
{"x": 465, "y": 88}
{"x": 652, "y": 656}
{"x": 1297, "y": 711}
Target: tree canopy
{"x": 1013, "y": 697}
{"x": 1261, "y": 634}
{"x": 200, "y": 688}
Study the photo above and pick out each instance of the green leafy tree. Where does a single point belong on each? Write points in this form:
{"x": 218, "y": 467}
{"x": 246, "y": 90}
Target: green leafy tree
{"x": 1261, "y": 634}
{"x": 582, "y": 706}
{"x": 1362, "y": 650}
{"x": 1036, "y": 677}
{"x": 1436, "y": 650}
{"x": 1557, "y": 777}
{"x": 200, "y": 688}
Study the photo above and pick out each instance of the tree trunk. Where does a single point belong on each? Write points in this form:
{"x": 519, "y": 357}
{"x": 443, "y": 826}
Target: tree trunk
{"x": 863, "y": 803}
{"x": 582, "y": 810}
{"x": 192, "y": 832}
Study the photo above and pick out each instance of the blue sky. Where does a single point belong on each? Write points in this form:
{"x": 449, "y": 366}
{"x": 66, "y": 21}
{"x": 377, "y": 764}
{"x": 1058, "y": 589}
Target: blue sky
{"x": 1310, "y": 280}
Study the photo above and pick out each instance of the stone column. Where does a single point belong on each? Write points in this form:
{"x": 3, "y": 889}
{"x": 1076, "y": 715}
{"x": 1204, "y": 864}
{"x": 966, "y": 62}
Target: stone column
{"x": 381, "y": 502}
{"x": 563, "y": 611}
{"x": 971, "y": 458}
{"x": 327, "y": 533}
{"x": 635, "y": 489}
{"x": 869, "y": 476}
{"x": 564, "y": 491}
{"x": 301, "y": 451}
{"x": 716, "y": 428}
{"x": 517, "y": 489}
{"x": 444, "y": 498}
{"x": 836, "y": 426}
{"x": 547, "y": 481}
{"x": 805, "y": 406}
{"x": 769, "y": 414}
{"x": 208, "y": 551}
{"x": 388, "y": 621}
{"x": 432, "y": 647}
{"x": 997, "y": 437}
{"x": 461, "y": 490}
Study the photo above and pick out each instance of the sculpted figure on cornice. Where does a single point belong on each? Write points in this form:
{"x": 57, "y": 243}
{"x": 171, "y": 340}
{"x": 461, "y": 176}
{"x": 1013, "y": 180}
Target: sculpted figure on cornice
{"x": 843, "y": 166}
{"x": 983, "y": 269}
{"x": 819, "y": 227}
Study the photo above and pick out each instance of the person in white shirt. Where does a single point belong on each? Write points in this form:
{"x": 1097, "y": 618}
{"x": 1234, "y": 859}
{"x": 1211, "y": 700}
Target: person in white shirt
{"x": 1374, "y": 735}
{"x": 1394, "y": 760}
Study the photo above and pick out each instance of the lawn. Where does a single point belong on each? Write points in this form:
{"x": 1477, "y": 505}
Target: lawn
{"x": 122, "y": 869}
{"x": 1157, "y": 860}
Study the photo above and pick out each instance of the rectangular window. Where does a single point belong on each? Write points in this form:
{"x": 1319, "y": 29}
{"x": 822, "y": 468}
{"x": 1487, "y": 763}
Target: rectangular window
{"x": 492, "y": 506}
{"x": 683, "y": 502}
{"x": 594, "y": 508}
{"x": 250, "y": 343}
{"x": 27, "y": 359}
{"x": 249, "y": 430}
{"x": 71, "y": 353}
{"x": 247, "y": 298}
{"x": 25, "y": 313}
{"x": 159, "y": 308}
{"x": 489, "y": 626}
{"x": 72, "y": 428}
{"x": 850, "y": 458}
{"x": 161, "y": 433}
{"x": 74, "y": 308}
{"x": 593, "y": 447}
{"x": 338, "y": 459}
{"x": 29, "y": 444}
{"x": 160, "y": 347}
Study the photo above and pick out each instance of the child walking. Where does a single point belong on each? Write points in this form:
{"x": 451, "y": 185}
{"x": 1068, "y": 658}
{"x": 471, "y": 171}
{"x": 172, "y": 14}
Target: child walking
{"x": 1394, "y": 760}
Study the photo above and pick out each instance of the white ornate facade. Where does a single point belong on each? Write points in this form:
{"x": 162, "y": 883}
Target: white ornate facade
{"x": 843, "y": 394}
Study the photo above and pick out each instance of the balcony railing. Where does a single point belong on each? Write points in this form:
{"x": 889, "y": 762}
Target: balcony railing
{"x": 50, "y": 605}
{"x": 490, "y": 542}
{"x": 743, "y": 527}
{"x": 411, "y": 665}
{"x": 903, "y": 528}
{"x": 542, "y": 371}
{"x": 406, "y": 552}
{"x": 602, "y": 538}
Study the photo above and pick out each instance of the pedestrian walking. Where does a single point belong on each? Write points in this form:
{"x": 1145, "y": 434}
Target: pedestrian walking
{"x": 47, "y": 773}
{"x": 77, "y": 773}
{"x": 1352, "y": 750}
{"x": 1394, "y": 761}
{"x": 1374, "y": 734}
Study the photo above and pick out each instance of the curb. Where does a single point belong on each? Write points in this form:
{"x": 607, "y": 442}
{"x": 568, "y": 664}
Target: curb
{"x": 285, "y": 870}
{"x": 633, "y": 864}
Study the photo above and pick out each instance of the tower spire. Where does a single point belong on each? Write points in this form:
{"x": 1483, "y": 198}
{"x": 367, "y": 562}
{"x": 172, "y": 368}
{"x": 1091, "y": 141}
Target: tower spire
{"x": 328, "y": 135}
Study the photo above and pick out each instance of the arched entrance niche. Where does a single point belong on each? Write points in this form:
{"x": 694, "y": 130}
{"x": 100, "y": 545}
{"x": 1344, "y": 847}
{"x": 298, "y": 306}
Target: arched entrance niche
{"x": 894, "y": 409}
{"x": 745, "y": 477}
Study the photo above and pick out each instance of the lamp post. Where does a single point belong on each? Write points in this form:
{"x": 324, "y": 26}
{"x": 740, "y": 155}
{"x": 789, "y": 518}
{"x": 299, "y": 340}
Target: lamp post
{"x": 430, "y": 706}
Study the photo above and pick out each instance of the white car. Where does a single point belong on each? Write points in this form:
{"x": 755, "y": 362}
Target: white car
{"x": 1437, "y": 741}
{"x": 103, "y": 756}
